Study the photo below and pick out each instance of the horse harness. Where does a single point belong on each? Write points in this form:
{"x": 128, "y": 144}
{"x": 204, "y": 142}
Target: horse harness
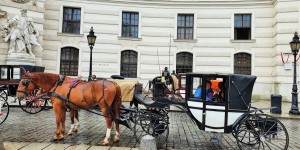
{"x": 71, "y": 86}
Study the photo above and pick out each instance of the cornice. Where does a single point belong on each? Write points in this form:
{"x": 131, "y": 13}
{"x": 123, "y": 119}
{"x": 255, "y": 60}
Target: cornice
{"x": 186, "y": 3}
{"x": 277, "y": 1}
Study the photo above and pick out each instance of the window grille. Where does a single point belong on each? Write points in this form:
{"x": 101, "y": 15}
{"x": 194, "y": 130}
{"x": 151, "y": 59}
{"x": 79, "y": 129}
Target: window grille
{"x": 184, "y": 62}
{"x": 242, "y": 63}
{"x": 129, "y": 64}
{"x": 69, "y": 61}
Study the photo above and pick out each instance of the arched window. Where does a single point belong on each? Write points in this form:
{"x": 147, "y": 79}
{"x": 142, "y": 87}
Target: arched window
{"x": 184, "y": 62}
{"x": 69, "y": 61}
{"x": 242, "y": 63}
{"x": 129, "y": 64}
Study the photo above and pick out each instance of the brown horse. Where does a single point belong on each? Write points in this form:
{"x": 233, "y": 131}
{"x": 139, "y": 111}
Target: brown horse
{"x": 85, "y": 95}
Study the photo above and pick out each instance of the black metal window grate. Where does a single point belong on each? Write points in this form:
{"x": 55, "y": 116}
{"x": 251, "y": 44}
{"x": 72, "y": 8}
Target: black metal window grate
{"x": 242, "y": 27}
{"x": 129, "y": 64}
{"x": 242, "y": 63}
{"x": 185, "y": 26}
{"x": 69, "y": 61}
{"x": 130, "y": 24}
{"x": 184, "y": 62}
{"x": 71, "y": 20}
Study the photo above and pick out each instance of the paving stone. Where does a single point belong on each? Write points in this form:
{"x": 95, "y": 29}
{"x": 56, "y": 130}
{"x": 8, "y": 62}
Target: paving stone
{"x": 56, "y": 146}
{"x": 78, "y": 147}
{"x": 14, "y": 145}
{"x": 33, "y": 146}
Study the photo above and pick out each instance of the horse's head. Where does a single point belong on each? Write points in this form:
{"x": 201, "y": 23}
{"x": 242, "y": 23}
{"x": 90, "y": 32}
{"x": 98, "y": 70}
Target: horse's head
{"x": 26, "y": 84}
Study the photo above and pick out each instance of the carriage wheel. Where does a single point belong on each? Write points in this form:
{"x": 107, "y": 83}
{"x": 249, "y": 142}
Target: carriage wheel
{"x": 4, "y": 110}
{"x": 31, "y": 103}
{"x": 261, "y": 131}
{"x": 3, "y": 95}
{"x": 156, "y": 125}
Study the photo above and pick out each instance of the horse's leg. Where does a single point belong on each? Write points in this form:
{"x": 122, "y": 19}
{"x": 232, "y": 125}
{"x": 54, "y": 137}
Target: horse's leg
{"x": 77, "y": 123}
{"x": 72, "y": 114}
{"x": 116, "y": 138}
{"x": 63, "y": 123}
{"x": 116, "y": 108}
{"x": 58, "y": 114}
{"x": 108, "y": 127}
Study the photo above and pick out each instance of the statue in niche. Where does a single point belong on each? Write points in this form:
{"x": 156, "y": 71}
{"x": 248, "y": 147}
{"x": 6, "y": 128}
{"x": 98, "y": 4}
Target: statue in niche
{"x": 21, "y": 34}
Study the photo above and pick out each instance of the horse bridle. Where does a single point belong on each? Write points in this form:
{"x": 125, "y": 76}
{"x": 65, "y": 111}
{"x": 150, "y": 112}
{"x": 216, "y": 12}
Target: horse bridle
{"x": 25, "y": 82}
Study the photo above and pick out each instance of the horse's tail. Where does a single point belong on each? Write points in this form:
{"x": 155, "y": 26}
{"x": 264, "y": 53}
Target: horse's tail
{"x": 117, "y": 102}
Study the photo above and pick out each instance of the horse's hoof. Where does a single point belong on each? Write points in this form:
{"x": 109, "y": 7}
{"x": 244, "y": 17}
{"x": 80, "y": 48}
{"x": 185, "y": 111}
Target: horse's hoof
{"x": 75, "y": 130}
{"x": 116, "y": 139}
{"x": 61, "y": 137}
{"x": 69, "y": 133}
{"x": 53, "y": 140}
{"x": 103, "y": 143}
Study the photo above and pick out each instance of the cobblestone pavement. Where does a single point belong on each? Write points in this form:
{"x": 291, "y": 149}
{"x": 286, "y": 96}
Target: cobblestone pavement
{"x": 23, "y": 127}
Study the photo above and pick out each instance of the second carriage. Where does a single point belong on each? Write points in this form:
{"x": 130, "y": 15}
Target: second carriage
{"x": 9, "y": 80}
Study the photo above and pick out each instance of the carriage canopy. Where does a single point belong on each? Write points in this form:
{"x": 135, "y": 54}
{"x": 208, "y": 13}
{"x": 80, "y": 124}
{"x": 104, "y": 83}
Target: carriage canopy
{"x": 235, "y": 90}
{"x": 240, "y": 91}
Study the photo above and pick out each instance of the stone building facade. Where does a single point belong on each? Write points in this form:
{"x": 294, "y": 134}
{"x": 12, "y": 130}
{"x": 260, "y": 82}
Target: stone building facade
{"x": 138, "y": 38}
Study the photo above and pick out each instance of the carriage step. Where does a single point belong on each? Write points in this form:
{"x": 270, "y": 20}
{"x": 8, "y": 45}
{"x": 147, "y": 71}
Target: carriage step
{"x": 214, "y": 140}
{"x": 215, "y": 137}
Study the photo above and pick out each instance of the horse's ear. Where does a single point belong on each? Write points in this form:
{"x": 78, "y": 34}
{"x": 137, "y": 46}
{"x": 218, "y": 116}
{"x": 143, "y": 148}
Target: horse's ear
{"x": 24, "y": 71}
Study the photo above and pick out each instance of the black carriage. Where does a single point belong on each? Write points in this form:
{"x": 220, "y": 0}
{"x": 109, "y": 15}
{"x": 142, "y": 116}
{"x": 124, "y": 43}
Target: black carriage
{"x": 9, "y": 81}
{"x": 228, "y": 110}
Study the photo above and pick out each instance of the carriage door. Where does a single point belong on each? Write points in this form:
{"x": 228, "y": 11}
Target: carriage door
{"x": 215, "y": 106}
{"x": 195, "y": 97}
{"x": 209, "y": 112}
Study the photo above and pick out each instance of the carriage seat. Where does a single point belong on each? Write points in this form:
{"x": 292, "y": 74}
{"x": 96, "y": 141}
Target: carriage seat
{"x": 148, "y": 102}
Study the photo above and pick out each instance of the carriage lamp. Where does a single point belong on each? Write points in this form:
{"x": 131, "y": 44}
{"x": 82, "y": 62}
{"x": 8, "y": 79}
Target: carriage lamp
{"x": 91, "y": 41}
{"x": 295, "y": 46}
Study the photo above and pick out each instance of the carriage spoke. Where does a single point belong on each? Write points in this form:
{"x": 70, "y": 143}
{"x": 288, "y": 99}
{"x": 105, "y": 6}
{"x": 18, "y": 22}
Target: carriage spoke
{"x": 32, "y": 104}
{"x": 264, "y": 132}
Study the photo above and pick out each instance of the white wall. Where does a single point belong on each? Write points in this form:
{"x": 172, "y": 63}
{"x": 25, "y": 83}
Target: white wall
{"x": 213, "y": 47}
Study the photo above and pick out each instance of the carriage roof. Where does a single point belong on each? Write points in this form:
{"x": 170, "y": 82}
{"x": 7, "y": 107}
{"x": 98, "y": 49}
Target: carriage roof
{"x": 9, "y": 72}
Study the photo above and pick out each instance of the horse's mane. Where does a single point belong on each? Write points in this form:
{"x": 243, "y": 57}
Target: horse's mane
{"x": 45, "y": 77}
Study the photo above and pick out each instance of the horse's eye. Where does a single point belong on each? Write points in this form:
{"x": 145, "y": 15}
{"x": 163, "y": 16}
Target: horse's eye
{"x": 24, "y": 82}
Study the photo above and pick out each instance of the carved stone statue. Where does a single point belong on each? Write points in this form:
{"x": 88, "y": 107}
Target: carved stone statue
{"x": 21, "y": 34}
{"x": 21, "y": 1}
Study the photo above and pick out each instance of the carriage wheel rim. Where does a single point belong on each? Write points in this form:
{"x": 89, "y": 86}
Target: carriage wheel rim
{"x": 266, "y": 132}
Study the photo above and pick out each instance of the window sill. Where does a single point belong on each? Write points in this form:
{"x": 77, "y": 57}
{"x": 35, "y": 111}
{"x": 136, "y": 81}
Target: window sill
{"x": 129, "y": 38}
{"x": 70, "y": 34}
{"x": 187, "y": 41}
{"x": 243, "y": 41}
